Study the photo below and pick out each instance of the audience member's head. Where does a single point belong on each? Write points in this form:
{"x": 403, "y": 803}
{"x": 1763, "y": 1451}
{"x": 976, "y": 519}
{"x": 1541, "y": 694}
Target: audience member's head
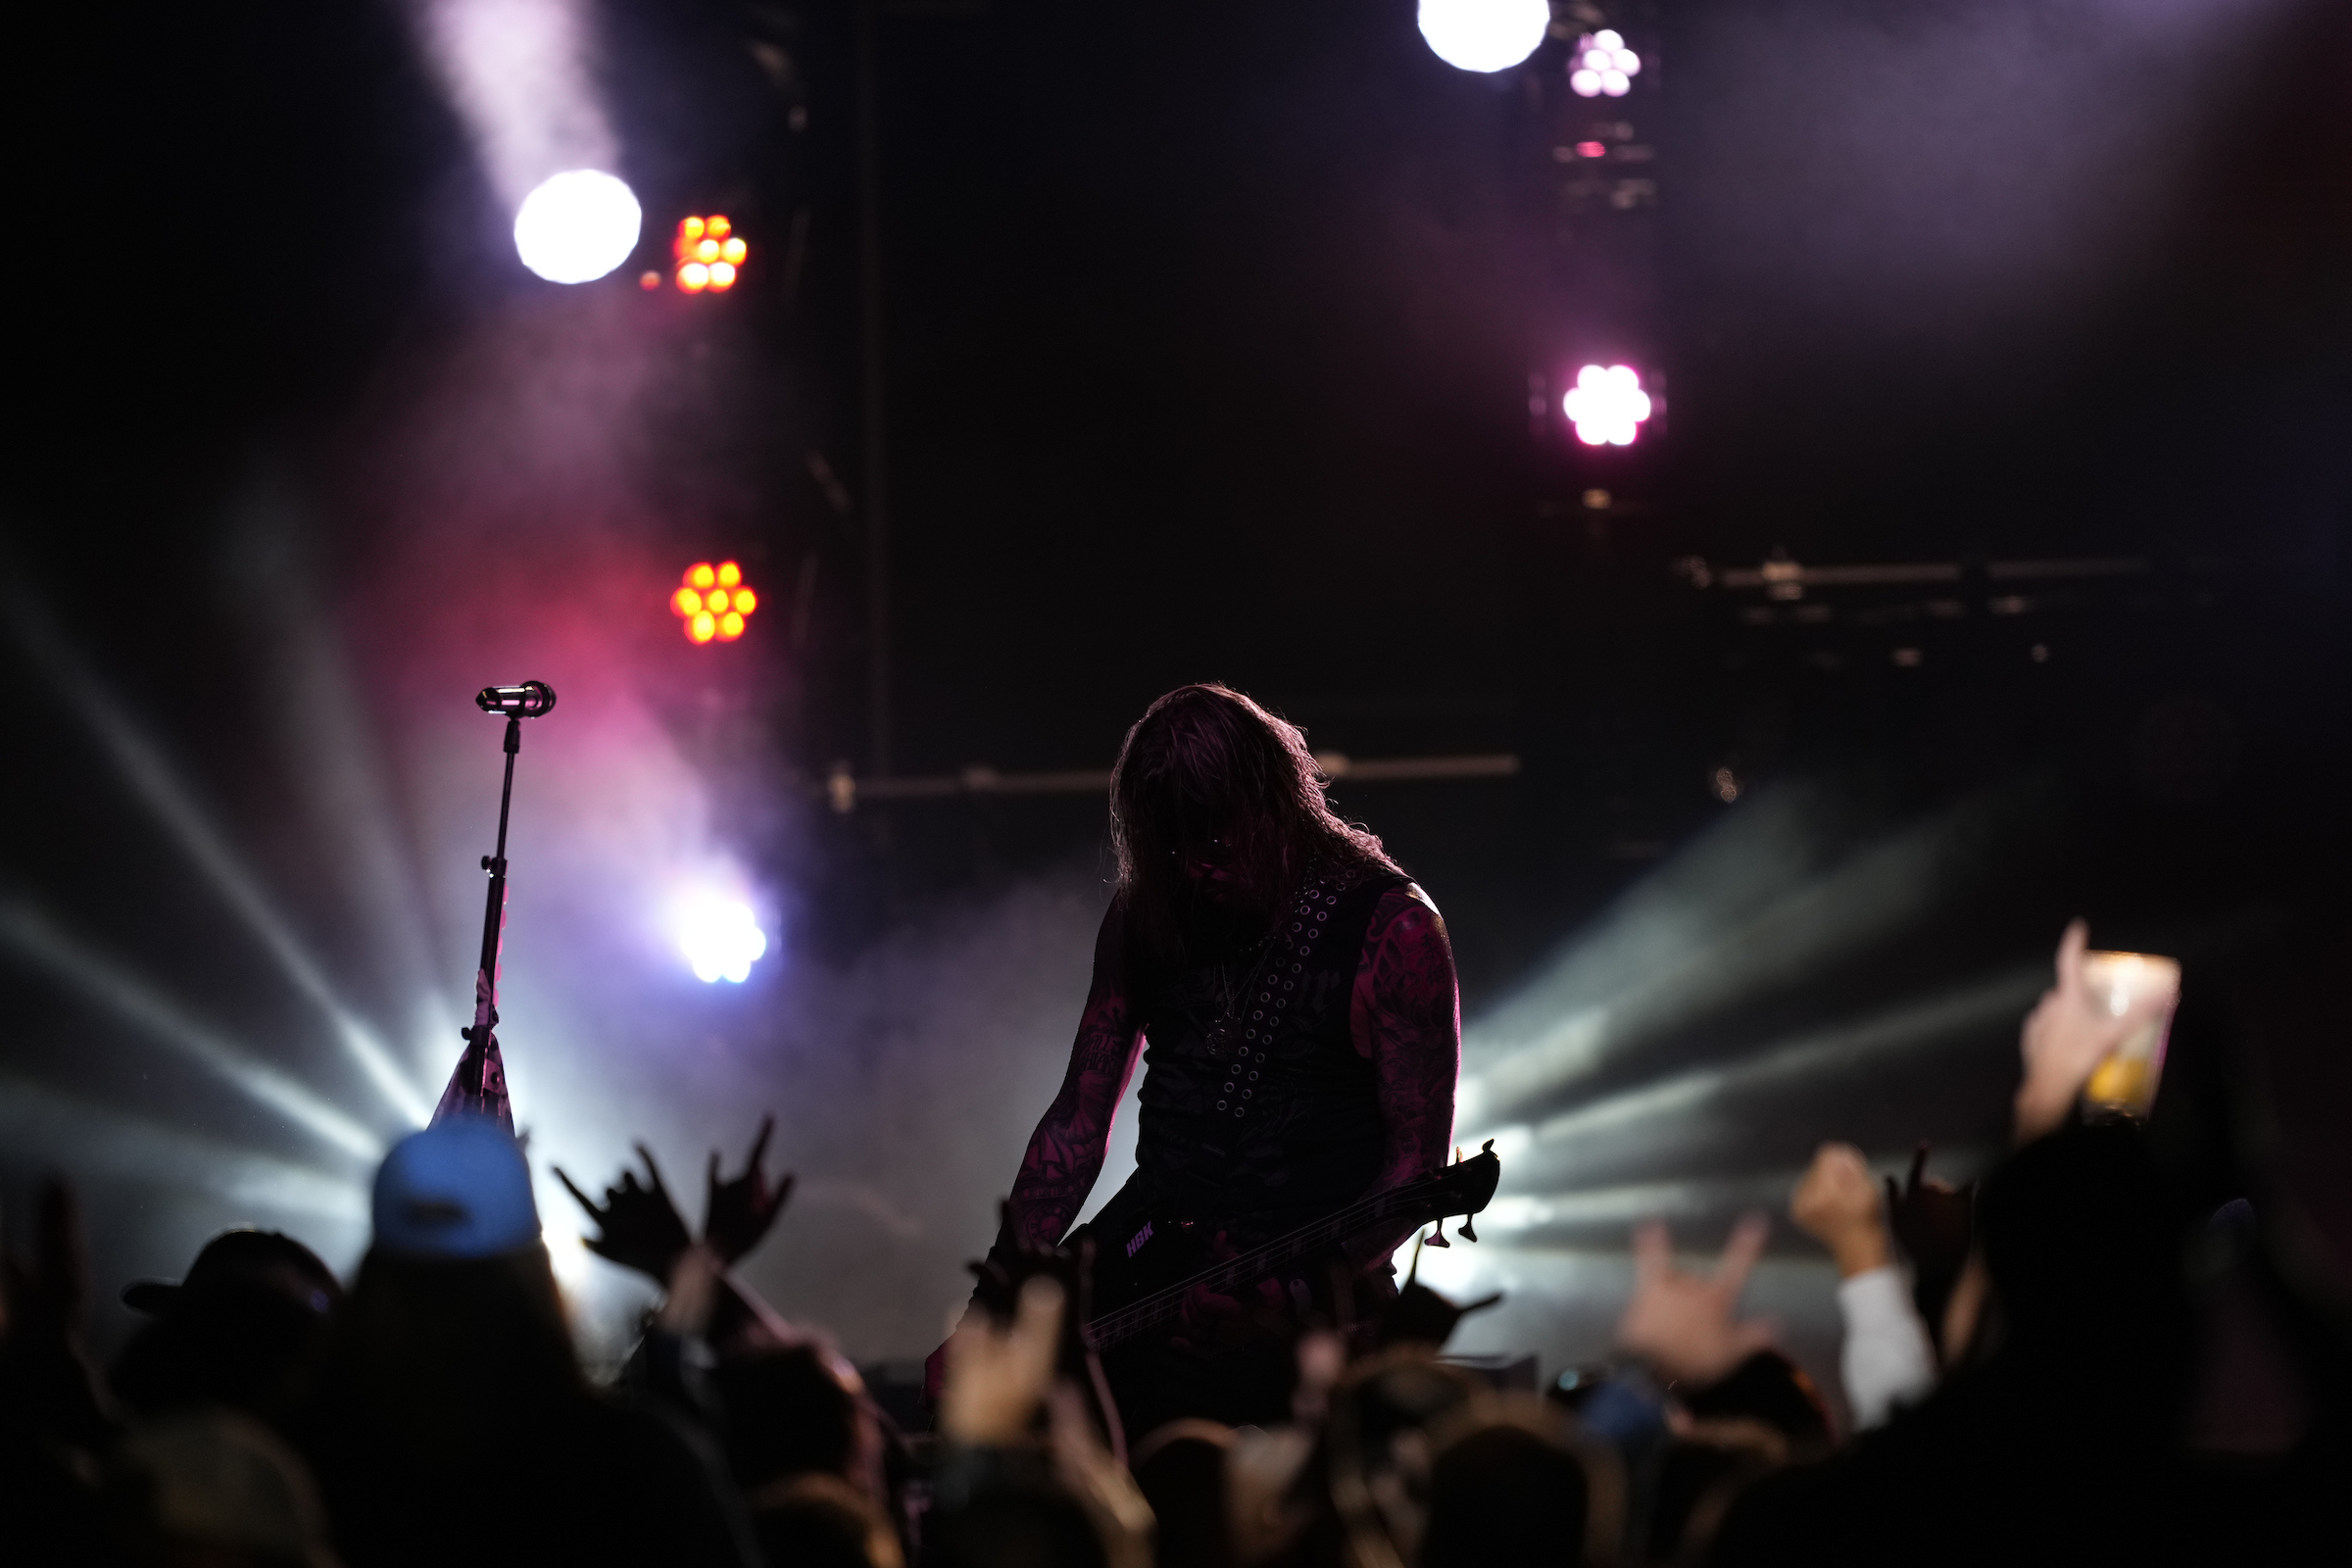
{"x": 1015, "y": 1526}
{"x": 1181, "y": 1471}
{"x": 454, "y": 1334}
{"x": 816, "y": 1520}
{"x": 1505, "y": 1487}
{"x": 788, "y": 1413}
{"x": 2084, "y": 1259}
{"x": 216, "y": 1489}
{"x": 240, "y": 1329}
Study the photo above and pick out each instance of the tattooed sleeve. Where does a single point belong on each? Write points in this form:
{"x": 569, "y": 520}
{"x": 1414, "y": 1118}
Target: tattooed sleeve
{"x": 1065, "y": 1153}
{"x": 1406, "y": 1016}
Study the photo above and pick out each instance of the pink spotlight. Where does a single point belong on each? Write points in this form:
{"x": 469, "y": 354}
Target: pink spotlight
{"x": 1606, "y": 405}
{"x": 1603, "y": 66}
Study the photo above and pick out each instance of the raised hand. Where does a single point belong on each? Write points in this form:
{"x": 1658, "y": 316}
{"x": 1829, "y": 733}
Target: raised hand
{"x": 1682, "y": 1324}
{"x": 997, "y": 1376}
{"x": 1837, "y": 1204}
{"x": 639, "y": 1226}
{"x": 2066, "y": 1037}
{"x": 737, "y": 1213}
{"x": 1933, "y": 1221}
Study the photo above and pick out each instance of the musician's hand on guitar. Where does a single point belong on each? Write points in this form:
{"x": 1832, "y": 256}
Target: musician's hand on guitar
{"x": 1683, "y": 1324}
{"x": 639, "y": 1226}
{"x": 1209, "y": 1316}
{"x": 995, "y": 1377}
{"x": 738, "y": 1212}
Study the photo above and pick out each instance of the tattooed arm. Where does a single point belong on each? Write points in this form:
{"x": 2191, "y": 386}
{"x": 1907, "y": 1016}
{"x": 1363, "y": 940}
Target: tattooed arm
{"x": 1406, "y": 1016}
{"x": 1065, "y": 1153}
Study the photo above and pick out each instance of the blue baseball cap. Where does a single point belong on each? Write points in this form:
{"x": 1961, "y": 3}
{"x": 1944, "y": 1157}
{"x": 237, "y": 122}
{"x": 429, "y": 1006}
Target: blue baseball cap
{"x": 460, "y": 1189}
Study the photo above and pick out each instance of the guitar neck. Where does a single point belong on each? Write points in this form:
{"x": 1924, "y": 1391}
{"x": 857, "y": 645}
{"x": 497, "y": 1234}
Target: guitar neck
{"x": 1164, "y": 1305}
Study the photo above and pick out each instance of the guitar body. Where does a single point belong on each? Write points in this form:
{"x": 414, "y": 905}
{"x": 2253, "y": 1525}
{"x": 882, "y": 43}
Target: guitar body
{"x": 1186, "y": 1325}
{"x": 1155, "y": 1276}
{"x": 1160, "y": 1251}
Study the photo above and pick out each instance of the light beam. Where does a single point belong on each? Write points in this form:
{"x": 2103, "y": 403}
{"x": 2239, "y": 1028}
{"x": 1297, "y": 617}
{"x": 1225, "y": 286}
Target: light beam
{"x": 35, "y": 938}
{"x": 1579, "y": 1138}
{"x": 153, "y": 782}
{"x": 1755, "y": 903}
{"x": 87, "y": 1139}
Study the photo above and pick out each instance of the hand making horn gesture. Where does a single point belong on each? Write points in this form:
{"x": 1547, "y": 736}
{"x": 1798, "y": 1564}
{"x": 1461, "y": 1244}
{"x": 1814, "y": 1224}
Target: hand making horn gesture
{"x": 738, "y": 1212}
{"x": 1684, "y": 1324}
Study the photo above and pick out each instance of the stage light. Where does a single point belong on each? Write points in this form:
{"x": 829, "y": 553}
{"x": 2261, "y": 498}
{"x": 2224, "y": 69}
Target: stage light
{"x": 1484, "y": 35}
{"x": 576, "y": 226}
{"x": 720, "y": 939}
{"x": 1603, "y": 66}
{"x": 713, "y": 602}
{"x": 710, "y": 254}
{"x": 1606, "y": 405}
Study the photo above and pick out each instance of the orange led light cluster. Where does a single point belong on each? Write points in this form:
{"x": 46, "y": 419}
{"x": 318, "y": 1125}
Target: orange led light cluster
{"x": 710, "y": 253}
{"x": 713, "y": 602}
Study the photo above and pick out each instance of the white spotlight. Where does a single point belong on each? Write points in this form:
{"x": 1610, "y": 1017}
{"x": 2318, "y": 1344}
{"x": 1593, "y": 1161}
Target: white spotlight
{"x": 1484, "y": 34}
{"x": 576, "y": 226}
{"x": 720, "y": 939}
{"x": 1606, "y": 405}
{"x": 1603, "y": 66}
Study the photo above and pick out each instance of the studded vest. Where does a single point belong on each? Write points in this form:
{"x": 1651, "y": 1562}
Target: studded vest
{"x": 1258, "y": 1114}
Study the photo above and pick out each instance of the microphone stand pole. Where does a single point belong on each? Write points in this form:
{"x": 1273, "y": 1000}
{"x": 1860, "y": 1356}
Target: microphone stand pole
{"x": 479, "y": 1085}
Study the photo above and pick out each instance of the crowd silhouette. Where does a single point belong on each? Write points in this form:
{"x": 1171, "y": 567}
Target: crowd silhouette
{"x": 2049, "y": 1365}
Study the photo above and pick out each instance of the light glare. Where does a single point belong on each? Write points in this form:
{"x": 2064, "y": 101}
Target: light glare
{"x": 1484, "y": 35}
{"x": 721, "y": 939}
{"x": 1602, "y": 64}
{"x": 576, "y": 226}
{"x": 1606, "y": 405}
{"x": 713, "y": 602}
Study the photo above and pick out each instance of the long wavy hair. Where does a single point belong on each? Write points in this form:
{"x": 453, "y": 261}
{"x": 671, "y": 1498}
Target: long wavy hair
{"x": 1208, "y": 773}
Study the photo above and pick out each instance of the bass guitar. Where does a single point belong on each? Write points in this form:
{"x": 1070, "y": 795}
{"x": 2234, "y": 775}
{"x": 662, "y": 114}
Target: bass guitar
{"x": 1140, "y": 1281}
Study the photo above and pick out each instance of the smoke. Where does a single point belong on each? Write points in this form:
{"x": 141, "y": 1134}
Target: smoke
{"x": 1903, "y": 172}
{"x": 518, "y": 72}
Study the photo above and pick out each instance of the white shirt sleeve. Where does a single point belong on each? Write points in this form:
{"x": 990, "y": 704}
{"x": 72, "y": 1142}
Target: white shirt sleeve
{"x": 1887, "y": 1359}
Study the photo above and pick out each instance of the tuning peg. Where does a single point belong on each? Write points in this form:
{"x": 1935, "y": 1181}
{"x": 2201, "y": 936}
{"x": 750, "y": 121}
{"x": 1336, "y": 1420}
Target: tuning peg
{"x": 1489, "y": 1147}
{"x": 1436, "y": 1235}
{"x": 1457, "y": 1153}
{"x": 1464, "y": 1231}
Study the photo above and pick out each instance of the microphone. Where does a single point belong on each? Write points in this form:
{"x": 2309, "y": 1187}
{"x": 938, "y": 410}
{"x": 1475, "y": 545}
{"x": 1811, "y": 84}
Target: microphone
{"x": 530, "y": 699}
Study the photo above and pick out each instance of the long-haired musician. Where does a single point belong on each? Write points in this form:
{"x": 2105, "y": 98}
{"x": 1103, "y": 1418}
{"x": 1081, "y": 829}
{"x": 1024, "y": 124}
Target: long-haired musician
{"x": 1290, "y": 994}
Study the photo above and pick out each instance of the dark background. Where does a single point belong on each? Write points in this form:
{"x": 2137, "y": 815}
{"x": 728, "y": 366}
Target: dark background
{"x": 1211, "y": 335}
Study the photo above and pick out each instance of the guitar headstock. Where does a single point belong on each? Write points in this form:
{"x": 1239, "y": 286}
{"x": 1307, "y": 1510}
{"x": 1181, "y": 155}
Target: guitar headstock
{"x": 1463, "y": 1187}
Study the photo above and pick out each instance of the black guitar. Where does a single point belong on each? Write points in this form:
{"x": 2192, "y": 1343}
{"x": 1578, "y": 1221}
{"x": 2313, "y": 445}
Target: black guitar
{"x": 1136, "y": 1283}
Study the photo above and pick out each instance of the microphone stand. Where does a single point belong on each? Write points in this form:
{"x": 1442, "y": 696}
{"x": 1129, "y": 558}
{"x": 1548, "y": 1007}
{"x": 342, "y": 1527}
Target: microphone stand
{"x": 478, "y": 1087}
